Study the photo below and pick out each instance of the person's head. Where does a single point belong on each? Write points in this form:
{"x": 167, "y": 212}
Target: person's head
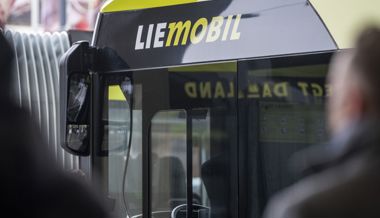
{"x": 354, "y": 76}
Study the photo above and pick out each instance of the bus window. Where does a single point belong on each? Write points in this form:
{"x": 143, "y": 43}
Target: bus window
{"x": 201, "y": 154}
{"x": 184, "y": 142}
{"x": 168, "y": 162}
{"x": 282, "y": 111}
{"x": 120, "y": 176}
{"x": 209, "y": 93}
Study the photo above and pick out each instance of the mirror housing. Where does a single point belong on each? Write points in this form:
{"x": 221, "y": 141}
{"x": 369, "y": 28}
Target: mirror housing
{"x": 75, "y": 99}
{"x": 75, "y": 86}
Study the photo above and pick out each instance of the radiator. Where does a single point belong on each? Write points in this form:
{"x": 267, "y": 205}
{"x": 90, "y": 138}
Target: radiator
{"x": 35, "y": 84}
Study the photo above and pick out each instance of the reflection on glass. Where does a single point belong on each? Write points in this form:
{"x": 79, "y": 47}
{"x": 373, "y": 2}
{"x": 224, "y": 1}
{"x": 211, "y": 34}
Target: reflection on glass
{"x": 133, "y": 178}
{"x": 285, "y": 103}
{"x": 124, "y": 174}
{"x": 77, "y": 128}
{"x": 78, "y": 90}
{"x": 168, "y": 159}
{"x": 201, "y": 153}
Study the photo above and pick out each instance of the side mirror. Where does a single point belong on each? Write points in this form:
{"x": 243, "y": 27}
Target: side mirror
{"x": 75, "y": 89}
{"x": 75, "y": 103}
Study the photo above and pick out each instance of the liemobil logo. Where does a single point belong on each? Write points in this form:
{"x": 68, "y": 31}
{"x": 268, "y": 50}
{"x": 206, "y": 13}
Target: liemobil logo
{"x": 182, "y": 33}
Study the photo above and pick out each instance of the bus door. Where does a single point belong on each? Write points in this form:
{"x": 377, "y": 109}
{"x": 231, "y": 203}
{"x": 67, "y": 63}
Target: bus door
{"x": 281, "y": 111}
{"x": 168, "y": 142}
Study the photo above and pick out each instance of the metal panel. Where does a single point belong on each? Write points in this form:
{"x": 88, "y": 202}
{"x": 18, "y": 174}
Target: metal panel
{"x": 35, "y": 93}
{"x": 36, "y": 84}
{"x": 57, "y": 45}
{"x": 26, "y": 99}
{"x": 15, "y": 69}
{"x": 65, "y": 41}
{"x": 58, "y": 48}
{"x": 52, "y": 101}
{"x": 53, "y": 63}
{"x": 42, "y": 88}
{"x": 53, "y": 53}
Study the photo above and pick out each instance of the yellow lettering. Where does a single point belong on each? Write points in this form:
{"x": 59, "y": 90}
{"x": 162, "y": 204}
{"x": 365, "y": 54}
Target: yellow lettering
{"x": 235, "y": 35}
{"x": 191, "y": 89}
{"x": 281, "y": 89}
{"x": 214, "y": 29}
{"x": 227, "y": 28}
{"x": 231, "y": 93}
{"x": 178, "y": 28}
{"x": 303, "y": 86}
{"x": 219, "y": 91}
{"x": 194, "y": 37}
{"x": 317, "y": 90}
{"x": 253, "y": 91}
{"x": 205, "y": 89}
{"x": 266, "y": 91}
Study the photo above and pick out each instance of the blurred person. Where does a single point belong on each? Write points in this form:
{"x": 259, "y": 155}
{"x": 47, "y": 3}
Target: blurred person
{"x": 5, "y": 8}
{"x": 31, "y": 184}
{"x": 346, "y": 179}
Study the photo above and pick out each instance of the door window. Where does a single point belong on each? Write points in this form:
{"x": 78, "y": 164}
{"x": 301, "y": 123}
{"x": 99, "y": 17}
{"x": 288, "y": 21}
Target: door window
{"x": 120, "y": 152}
{"x": 168, "y": 162}
{"x": 184, "y": 142}
{"x": 281, "y": 112}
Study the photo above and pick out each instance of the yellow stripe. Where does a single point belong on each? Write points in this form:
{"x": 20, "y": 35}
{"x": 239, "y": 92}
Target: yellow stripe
{"x": 302, "y": 71}
{"x": 127, "y": 5}
{"x": 115, "y": 93}
{"x": 346, "y": 18}
{"x": 226, "y": 67}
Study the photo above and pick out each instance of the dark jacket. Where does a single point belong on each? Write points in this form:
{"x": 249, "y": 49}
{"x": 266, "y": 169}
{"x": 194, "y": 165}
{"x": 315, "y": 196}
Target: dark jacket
{"x": 346, "y": 183}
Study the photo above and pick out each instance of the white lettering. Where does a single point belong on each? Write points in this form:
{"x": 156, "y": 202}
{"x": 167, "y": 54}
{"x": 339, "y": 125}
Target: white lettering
{"x": 158, "y": 42}
{"x": 139, "y": 45}
{"x": 149, "y": 36}
{"x": 163, "y": 34}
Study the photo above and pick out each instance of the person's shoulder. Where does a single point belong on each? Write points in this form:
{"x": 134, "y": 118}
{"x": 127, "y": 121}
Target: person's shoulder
{"x": 292, "y": 201}
{"x": 347, "y": 190}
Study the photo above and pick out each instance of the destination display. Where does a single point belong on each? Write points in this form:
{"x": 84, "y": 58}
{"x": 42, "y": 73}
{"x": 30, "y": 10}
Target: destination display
{"x": 211, "y": 86}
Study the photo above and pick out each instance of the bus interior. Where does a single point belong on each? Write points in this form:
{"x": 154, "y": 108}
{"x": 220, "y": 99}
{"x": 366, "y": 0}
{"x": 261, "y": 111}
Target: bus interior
{"x": 213, "y": 140}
